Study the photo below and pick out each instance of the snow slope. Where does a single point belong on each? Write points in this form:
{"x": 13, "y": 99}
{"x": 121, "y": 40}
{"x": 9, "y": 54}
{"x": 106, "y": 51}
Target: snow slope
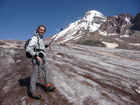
{"x": 82, "y": 75}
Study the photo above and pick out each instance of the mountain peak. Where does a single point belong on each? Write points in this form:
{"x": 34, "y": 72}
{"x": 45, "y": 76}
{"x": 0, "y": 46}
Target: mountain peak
{"x": 89, "y": 15}
{"x": 90, "y": 22}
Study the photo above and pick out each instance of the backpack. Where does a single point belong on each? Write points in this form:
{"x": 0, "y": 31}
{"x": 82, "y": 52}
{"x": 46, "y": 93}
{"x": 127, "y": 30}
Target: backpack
{"x": 28, "y": 54}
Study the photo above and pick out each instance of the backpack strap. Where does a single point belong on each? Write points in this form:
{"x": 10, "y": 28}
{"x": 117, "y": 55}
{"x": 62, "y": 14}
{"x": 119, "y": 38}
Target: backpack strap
{"x": 37, "y": 42}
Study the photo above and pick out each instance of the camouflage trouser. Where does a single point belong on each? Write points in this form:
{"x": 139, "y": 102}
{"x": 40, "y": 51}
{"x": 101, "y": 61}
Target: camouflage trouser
{"x": 39, "y": 70}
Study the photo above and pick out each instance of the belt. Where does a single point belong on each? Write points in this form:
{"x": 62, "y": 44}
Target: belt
{"x": 40, "y": 50}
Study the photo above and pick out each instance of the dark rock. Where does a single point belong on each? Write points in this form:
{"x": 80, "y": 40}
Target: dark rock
{"x": 136, "y": 22}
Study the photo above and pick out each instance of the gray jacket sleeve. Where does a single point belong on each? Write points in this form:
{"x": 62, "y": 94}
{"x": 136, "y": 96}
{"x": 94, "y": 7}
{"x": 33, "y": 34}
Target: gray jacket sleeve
{"x": 32, "y": 45}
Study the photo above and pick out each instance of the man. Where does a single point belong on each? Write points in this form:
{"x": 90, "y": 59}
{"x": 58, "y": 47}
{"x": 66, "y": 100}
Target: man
{"x": 36, "y": 48}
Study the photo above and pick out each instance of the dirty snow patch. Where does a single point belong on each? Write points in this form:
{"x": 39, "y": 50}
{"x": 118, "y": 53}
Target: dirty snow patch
{"x": 135, "y": 44}
{"x": 124, "y": 36}
{"x": 110, "y": 45}
{"x": 104, "y": 33}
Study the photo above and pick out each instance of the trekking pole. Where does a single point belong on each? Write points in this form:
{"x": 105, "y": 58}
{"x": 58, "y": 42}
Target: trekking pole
{"x": 49, "y": 45}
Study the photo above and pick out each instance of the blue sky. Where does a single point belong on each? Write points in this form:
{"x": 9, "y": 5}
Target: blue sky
{"x": 19, "y": 18}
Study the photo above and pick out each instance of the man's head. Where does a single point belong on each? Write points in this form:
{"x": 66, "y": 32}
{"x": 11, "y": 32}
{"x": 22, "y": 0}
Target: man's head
{"x": 41, "y": 29}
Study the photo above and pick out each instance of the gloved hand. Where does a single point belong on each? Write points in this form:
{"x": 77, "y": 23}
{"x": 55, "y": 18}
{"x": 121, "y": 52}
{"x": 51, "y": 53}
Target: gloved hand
{"x": 46, "y": 46}
{"x": 41, "y": 55}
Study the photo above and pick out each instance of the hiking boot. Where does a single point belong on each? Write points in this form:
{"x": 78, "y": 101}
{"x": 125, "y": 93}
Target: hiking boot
{"x": 35, "y": 95}
{"x": 49, "y": 87}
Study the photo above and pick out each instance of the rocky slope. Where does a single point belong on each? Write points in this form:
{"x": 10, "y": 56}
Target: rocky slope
{"x": 83, "y": 75}
{"x": 115, "y": 25}
{"x": 95, "y": 29}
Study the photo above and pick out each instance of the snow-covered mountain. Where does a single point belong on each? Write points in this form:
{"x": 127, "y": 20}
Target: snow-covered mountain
{"x": 99, "y": 30}
{"x": 90, "y": 22}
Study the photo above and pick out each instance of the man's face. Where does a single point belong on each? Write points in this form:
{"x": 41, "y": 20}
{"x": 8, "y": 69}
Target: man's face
{"x": 41, "y": 30}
